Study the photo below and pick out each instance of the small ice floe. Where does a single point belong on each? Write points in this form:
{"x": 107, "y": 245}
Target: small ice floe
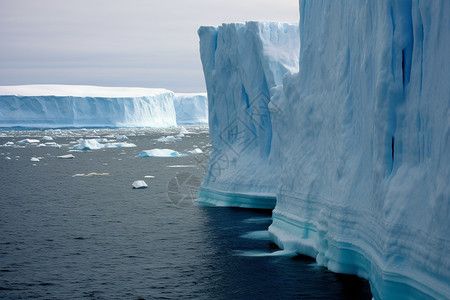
{"x": 149, "y": 176}
{"x": 119, "y": 145}
{"x": 7, "y": 158}
{"x": 139, "y": 184}
{"x": 67, "y": 156}
{"x": 182, "y": 166}
{"x": 50, "y": 145}
{"x": 28, "y": 141}
{"x": 196, "y": 151}
{"x": 159, "y": 153}
{"x": 169, "y": 139}
{"x": 47, "y": 138}
{"x": 89, "y": 144}
{"x": 102, "y": 140}
{"x": 121, "y": 137}
{"x": 183, "y": 130}
{"x": 34, "y": 159}
{"x": 93, "y": 144}
{"x": 8, "y": 144}
{"x": 90, "y": 174}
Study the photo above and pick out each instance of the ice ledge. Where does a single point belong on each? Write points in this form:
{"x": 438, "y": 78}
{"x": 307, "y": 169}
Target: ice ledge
{"x": 210, "y": 197}
{"x": 354, "y": 256}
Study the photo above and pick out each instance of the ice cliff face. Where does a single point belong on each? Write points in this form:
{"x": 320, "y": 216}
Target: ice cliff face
{"x": 244, "y": 65}
{"x": 191, "y": 108}
{"x": 56, "y": 106}
{"x": 361, "y": 135}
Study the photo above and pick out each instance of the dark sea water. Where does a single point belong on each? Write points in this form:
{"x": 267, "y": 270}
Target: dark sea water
{"x": 94, "y": 237}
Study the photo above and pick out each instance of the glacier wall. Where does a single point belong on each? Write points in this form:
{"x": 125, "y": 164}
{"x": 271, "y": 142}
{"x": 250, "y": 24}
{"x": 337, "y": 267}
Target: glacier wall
{"x": 191, "y": 108}
{"x": 358, "y": 145}
{"x": 243, "y": 66}
{"x": 59, "y": 106}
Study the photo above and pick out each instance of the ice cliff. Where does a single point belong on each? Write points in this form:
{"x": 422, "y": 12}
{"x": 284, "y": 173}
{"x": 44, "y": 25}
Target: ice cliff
{"x": 244, "y": 65}
{"x": 59, "y": 106}
{"x": 358, "y": 145}
{"x": 191, "y": 108}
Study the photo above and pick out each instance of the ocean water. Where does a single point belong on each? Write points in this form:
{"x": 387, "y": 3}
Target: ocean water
{"x": 94, "y": 237}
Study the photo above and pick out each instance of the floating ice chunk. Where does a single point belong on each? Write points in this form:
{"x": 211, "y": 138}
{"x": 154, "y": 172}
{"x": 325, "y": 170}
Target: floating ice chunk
{"x": 89, "y": 144}
{"x": 102, "y": 140}
{"x": 50, "y": 145}
{"x": 9, "y": 143}
{"x": 139, "y": 184}
{"x": 90, "y": 174}
{"x": 34, "y": 159}
{"x": 119, "y": 145}
{"x": 169, "y": 139}
{"x": 47, "y": 138}
{"x": 28, "y": 141}
{"x": 8, "y": 158}
{"x": 67, "y": 156}
{"x": 149, "y": 176}
{"x": 121, "y": 137}
{"x": 196, "y": 151}
{"x": 158, "y": 153}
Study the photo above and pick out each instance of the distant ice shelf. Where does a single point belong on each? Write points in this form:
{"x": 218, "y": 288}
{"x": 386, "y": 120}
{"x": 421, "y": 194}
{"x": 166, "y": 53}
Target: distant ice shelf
{"x": 76, "y": 106}
{"x": 191, "y": 108}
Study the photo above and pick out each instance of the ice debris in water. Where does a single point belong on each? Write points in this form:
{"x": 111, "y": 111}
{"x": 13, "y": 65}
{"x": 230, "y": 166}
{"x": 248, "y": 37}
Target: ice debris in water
{"x": 28, "y": 141}
{"x": 90, "y": 174}
{"x": 50, "y": 145}
{"x": 34, "y": 159}
{"x": 158, "y": 153}
{"x": 93, "y": 144}
{"x": 139, "y": 184}
{"x": 169, "y": 139}
{"x": 67, "y": 156}
{"x": 47, "y": 138}
{"x": 196, "y": 151}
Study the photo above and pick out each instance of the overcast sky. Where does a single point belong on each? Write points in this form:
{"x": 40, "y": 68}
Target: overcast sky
{"x": 144, "y": 43}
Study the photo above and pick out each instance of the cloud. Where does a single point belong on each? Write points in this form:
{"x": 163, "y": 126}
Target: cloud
{"x": 53, "y": 41}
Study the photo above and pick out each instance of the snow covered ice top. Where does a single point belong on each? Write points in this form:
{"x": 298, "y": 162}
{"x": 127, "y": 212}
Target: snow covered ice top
{"x": 78, "y": 91}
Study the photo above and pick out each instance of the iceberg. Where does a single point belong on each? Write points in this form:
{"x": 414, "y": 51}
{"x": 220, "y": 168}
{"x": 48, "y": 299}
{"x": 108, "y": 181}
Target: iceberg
{"x": 139, "y": 184}
{"x": 28, "y": 141}
{"x": 89, "y": 144}
{"x": 93, "y": 144}
{"x": 60, "y": 106}
{"x": 354, "y": 146}
{"x": 158, "y": 153}
{"x": 191, "y": 108}
{"x": 244, "y": 66}
{"x": 66, "y": 156}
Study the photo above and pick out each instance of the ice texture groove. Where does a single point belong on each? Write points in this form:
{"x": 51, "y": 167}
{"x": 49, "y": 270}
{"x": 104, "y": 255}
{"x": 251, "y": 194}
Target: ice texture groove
{"x": 357, "y": 146}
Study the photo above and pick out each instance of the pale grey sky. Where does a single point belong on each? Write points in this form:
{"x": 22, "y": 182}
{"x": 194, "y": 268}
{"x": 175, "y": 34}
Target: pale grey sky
{"x": 144, "y": 43}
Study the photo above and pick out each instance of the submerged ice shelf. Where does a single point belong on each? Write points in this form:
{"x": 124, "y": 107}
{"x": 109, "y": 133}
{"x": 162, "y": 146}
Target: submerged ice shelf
{"x": 64, "y": 106}
{"x": 354, "y": 146}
